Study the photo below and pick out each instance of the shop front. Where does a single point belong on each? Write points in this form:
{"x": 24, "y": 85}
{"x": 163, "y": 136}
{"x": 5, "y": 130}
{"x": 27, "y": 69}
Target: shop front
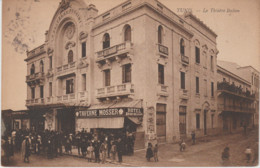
{"x": 118, "y": 118}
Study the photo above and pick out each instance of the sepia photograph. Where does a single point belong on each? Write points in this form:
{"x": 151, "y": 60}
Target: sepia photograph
{"x": 130, "y": 83}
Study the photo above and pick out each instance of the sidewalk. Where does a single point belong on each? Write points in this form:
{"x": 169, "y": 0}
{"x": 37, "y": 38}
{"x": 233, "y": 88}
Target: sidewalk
{"x": 169, "y": 154}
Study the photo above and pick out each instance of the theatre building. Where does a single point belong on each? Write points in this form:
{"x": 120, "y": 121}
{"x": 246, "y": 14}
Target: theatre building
{"x": 137, "y": 67}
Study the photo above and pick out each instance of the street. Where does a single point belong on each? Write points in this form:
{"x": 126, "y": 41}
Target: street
{"x": 206, "y": 152}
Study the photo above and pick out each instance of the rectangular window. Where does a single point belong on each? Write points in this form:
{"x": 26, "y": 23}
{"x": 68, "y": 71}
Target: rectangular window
{"x": 197, "y": 85}
{"x": 205, "y": 88}
{"x": 50, "y": 89}
{"x": 160, "y": 74}
{"x": 126, "y": 72}
{"x": 84, "y": 80}
{"x": 182, "y": 119}
{"x": 41, "y": 91}
{"x": 69, "y": 86}
{"x": 50, "y": 60}
{"x": 83, "y": 49}
{"x": 33, "y": 92}
{"x": 161, "y": 119}
{"x": 212, "y": 120}
{"x": 198, "y": 121}
{"x": 107, "y": 77}
{"x": 212, "y": 89}
{"x": 182, "y": 80}
{"x": 211, "y": 63}
{"x": 197, "y": 55}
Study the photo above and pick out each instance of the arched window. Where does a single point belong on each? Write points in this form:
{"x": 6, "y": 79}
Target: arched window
{"x": 182, "y": 47}
{"x": 106, "y": 41}
{"x": 70, "y": 56}
{"x": 127, "y": 33}
{"x": 160, "y": 33}
{"x": 41, "y": 66}
{"x": 32, "y": 69}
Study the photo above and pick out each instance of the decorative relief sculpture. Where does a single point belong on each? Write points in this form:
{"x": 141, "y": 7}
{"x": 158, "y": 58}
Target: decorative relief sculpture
{"x": 70, "y": 30}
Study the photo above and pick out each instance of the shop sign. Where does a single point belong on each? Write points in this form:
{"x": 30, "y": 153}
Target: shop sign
{"x": 108, "y": 112}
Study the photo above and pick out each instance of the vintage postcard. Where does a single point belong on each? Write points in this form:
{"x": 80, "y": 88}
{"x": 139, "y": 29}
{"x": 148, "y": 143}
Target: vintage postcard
{"x": 122, "y": 83}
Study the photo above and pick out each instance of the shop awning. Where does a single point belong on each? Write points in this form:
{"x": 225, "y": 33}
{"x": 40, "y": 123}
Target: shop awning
{"x": 87, "y": 123}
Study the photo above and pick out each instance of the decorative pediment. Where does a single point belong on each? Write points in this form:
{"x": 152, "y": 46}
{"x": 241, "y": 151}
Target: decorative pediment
{"x": 49, "y": 74}
{"x": 196, "y": 42}
{"x": 211, "y": 51}
{"x": 205, "y": 47}
{"x": 83, "y": 35}
{"x": 82, "y": 64}
{"x": 49, "y": 51}
{"x": 70, "y": 44}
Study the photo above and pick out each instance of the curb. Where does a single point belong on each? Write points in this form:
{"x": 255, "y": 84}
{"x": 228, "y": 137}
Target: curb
{"x": 107, "y": 161}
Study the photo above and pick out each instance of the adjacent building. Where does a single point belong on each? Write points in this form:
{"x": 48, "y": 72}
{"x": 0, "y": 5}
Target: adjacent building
{"x": 238, "y": 96}
{"x": 136, "y": 67}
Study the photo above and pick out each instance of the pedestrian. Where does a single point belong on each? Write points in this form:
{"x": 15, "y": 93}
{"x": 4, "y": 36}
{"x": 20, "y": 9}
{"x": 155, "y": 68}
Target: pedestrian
{"x": 113, "y": 150}
{"x": 83, "y": 147}
{"x": 193, "y": 136}
{"x": 60, "y": 142}
{"x": 109, "y": 144}
{"x": 26, "y": 149}
{"x": 149, "y": 152}
{"x": 90, "y": 150}
{"x": 78, "y": 141}
{"x": 182, "y": 145}
{"x": 155, "y": 153}
{"x": 70, "y": 139}
{"x": 38, "y": 144}
{"x": 96, "y": 149}
{"x": 9, "y": 148}
{"x": 103, "y": 151}
{"x": 120, "y": 147}
{"x": 248, "y": 153}
{"x": 49, "y": 148}
{"x": 225, "y": 157}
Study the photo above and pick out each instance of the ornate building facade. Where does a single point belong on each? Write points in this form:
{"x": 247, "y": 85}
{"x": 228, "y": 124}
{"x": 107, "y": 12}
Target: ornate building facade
{"x": 136, "y": 67}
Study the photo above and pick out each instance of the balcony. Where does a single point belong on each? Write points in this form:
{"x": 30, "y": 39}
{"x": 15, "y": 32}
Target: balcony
{"x": 225, "y": 87}
{"x": 36, "y": 101}
{"x": 163, "y": 50}
{"x": 116, "y": 52}
{"x": 239, "y": 109}
{"x": 36, "y": 77}
{"x": 185, "y": 59}
{"x": 114, "y": 91}
{"x": 162, "y": 90}
{"x": 64, "y": 69}
{"x": 183, "y": 94}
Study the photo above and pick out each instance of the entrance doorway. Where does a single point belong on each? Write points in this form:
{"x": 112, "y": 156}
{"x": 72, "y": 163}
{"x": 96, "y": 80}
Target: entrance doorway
{"x": 66, "y": 120}
{"x": 205, "y": 122}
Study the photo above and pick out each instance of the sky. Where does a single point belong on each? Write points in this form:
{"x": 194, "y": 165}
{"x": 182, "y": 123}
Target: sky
{"x": 24, "y": 23}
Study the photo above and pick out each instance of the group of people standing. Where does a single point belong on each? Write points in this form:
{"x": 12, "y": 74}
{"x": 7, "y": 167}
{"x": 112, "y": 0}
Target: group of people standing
{"x": 98, "y": 147}
{"x": 152, "y": 152}
{"x": 93, "y": 146}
